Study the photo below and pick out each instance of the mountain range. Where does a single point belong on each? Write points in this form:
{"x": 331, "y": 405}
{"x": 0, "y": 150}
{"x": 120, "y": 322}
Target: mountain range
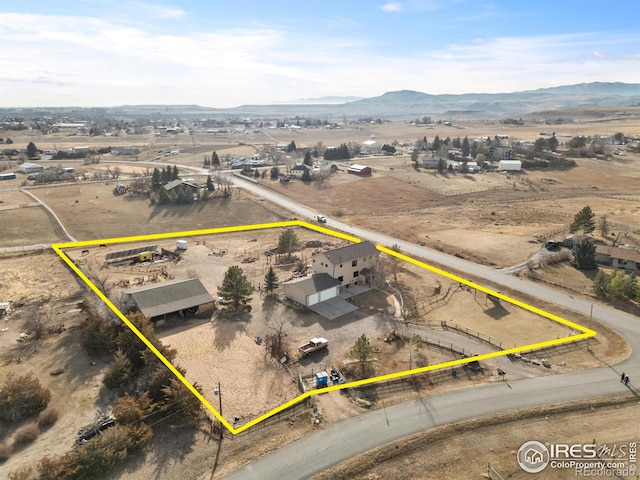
{"x": 396, "y": 105}
{"x": 410, "y": 104}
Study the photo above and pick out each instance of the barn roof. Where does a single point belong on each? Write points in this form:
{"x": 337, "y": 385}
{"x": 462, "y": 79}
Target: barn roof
{"x": 351, "y": 252}
{"x": 170, "y": 296}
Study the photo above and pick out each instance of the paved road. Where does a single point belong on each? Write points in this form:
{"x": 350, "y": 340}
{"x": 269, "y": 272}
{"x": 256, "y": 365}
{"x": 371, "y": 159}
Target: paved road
{"x": 317, "y": 452}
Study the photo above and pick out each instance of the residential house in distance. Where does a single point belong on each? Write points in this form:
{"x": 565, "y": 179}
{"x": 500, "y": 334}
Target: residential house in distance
{"x": 298, "y": 170}
{"x": 352, "y": 264}
{"x": 174, "y": 187}
{"x": 620, "y": 258}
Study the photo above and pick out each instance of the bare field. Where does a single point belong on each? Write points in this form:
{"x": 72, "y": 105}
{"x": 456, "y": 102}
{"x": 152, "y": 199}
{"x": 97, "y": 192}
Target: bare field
{"x": 92, "y": 211}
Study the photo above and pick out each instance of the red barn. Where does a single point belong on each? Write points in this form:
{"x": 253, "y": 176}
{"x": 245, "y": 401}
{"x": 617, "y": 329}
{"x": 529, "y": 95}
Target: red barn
{"x": 361, "y": 170}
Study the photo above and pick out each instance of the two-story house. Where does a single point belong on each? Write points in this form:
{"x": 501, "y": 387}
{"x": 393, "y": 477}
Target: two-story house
{"x": 352, "y": 264}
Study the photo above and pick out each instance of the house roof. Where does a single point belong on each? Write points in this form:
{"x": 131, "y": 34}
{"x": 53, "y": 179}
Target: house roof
{"x": 619, "y": 253}
{"x": 301, "y": 166}
{"x": 170, "y": 296}
{"x": 314, "y": 283}
{"x": 351, "y": 252}
{"x": 174, "y": 183}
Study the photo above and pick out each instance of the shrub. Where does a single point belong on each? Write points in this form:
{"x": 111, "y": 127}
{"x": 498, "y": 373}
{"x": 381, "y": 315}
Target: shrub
{"x": 21, "y": 397}
{"x": 47, "y": 417}
{"x": 97, "y": 456}
{"x": 97, "y": 335}
{"x": 26, "y": 434}
{"x": 5, "y": 451}
{"x": 24, "y": 473}
{"x": 120, "y": 371}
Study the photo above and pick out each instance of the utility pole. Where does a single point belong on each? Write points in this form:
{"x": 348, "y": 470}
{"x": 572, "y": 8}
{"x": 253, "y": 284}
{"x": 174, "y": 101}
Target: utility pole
{"x": 590, "y": 319}
{"x": 220, "y": 409}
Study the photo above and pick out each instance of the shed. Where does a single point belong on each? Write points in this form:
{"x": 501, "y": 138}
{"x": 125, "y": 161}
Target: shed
{"x": 169, "y": 297}
{"x": 510, "y": 165}
{"x": 28, "y": 167}
{"x": 311, "y": 290}
{"x": 362, "y": 170}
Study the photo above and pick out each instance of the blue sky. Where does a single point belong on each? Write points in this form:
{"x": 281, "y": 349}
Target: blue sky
{"x": 228, "y": 53}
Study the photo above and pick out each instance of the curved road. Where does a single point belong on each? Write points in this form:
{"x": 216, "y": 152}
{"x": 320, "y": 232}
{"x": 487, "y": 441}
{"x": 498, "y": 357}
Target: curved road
{"x": 323, "y": 449}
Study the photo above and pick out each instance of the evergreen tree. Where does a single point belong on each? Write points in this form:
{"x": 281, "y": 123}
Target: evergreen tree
{"x": 236, "y": 288}
{"x": 441, "y": 166}
{"x": 601, "y": 283}
{"x": 436, "y": 143}
{"x": 32, "y": 150}
{"x": 210, "y": 187}
{"x": 215, "y": 160}
{"x": 584, "y": 254}
{"x": 270, "y": 281}
{"x": 306, "y": 176}
{"x": 552, "y": 143}
{"x": 307, "y": 159}
{"x": 292, "y": 147}
{"x": 165, "y": 175}
{"x": 362, "y": 351}
{"x": 456, "y": 143}
{"x": 207, "y": 161}
{"x": 288, "y": 242}
{"x": 174, "y": 173}
{"x": 465, "y": 147}
{"x": 163, "y": 197}
{"x": 155, "y": 179}
{"x": 474, "y": 149}
{"x": 185, "y": 197}
{"x": 584, "y": 220}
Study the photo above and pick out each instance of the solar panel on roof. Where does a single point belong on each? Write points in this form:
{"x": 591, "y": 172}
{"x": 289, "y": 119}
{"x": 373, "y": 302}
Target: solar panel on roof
{"x": 129, "y": 253}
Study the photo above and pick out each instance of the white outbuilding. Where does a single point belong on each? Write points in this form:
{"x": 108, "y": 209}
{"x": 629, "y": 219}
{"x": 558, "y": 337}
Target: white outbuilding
{"x": 510, "y": 165}
{"x": 28, "y": 167}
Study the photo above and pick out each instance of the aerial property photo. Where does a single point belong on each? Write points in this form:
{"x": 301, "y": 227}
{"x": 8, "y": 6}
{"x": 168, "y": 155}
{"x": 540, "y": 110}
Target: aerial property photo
{"x": 324, "y": 241}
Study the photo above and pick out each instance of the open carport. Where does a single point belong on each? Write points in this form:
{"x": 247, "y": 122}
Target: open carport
{"x": 333, "y": 308}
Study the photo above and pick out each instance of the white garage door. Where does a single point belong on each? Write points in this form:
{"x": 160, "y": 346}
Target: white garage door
{"x": 313, "y": 299}
{"x": 329, "y": 293}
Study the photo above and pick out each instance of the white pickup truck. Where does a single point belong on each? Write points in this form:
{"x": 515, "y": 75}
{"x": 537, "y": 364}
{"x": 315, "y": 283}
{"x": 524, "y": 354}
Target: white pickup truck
{"x": 313, "y": 345}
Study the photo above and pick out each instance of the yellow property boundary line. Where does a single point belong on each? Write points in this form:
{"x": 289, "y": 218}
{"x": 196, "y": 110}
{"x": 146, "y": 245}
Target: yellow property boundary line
{"x": 60, "y": 247}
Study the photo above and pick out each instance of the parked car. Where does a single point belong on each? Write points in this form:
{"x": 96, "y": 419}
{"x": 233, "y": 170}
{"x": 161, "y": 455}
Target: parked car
{"x": 321, "y": 219}
{"x": 553, "y": 245}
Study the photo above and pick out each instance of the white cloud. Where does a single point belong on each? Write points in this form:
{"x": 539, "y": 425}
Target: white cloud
{"x": 392, "y": 7}
{"x": 58, "y": 60}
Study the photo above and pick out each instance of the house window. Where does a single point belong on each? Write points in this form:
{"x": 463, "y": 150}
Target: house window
{"x": 355, "y": 274}
{"x": 340, "y": 278}
{"x": 354, "y": 263}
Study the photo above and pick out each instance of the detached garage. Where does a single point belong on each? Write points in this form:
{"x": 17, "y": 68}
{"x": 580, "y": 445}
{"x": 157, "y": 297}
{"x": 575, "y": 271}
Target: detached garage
{"x": 309, "y": 291}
